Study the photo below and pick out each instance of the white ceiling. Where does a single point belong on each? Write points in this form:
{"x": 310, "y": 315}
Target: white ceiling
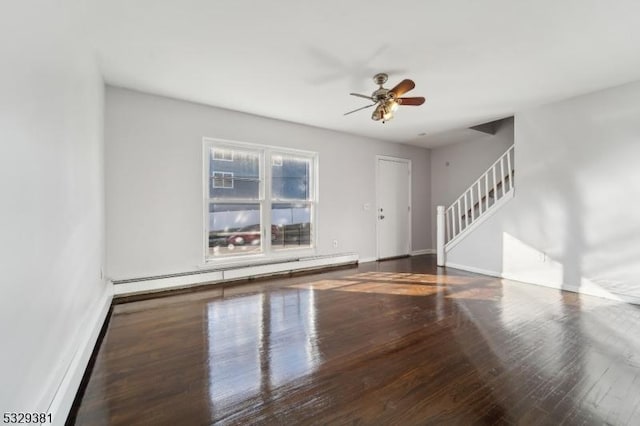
{"x": 297, "y": 60}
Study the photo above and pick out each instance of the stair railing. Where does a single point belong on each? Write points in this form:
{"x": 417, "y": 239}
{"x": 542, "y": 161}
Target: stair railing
{"x": 475, "y": 202}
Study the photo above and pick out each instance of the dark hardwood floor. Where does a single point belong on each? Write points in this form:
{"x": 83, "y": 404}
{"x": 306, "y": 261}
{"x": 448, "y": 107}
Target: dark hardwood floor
{"x": 395, "y": 342}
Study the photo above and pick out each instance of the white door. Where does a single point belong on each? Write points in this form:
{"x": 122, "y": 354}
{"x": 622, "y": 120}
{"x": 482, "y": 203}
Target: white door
{"x": 393, "y": 207}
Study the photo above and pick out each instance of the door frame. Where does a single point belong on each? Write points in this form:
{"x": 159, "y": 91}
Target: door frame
{"x": 377, "y": 211}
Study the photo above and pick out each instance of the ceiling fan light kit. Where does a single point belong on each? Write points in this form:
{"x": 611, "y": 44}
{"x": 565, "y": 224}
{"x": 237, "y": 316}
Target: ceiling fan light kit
{"x": 388, "y": 100}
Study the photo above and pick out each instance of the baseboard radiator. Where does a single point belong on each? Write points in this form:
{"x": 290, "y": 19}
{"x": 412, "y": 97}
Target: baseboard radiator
{"x": 229, "y": 273}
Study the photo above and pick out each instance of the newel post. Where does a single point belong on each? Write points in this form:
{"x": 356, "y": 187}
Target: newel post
{"x": 440, "y": 235}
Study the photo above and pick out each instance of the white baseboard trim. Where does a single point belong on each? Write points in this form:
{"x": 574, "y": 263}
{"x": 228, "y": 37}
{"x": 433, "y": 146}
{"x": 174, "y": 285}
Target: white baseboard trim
{"x": 595, "y": 292}
{"x": 185, "y": 280}
{"x": 572, "y": 288}
{"x": 65, "y": 394}
{"x": 413, "y": 253}
{"x": 473, "y": 269}
{"x": 423, "y": 251}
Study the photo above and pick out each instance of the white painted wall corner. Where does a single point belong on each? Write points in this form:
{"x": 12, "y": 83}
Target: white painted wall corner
{"x": 63, "y": 399}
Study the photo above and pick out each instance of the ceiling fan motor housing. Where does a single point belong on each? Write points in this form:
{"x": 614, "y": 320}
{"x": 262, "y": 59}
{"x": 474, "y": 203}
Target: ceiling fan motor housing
{"x": 379, "y": 95}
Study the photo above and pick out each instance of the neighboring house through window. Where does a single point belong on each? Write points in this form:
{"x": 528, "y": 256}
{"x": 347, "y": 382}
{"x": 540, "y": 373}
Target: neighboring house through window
{"x": 223, "y": 180}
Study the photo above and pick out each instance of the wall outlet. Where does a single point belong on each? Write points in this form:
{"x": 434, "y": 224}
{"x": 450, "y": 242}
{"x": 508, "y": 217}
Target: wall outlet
{"x": 335, "y": 243}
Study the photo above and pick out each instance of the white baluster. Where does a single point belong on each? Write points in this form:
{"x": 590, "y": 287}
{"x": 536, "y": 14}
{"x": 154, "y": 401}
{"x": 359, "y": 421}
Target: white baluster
{"x": 472, "y": 204}
{"x": 440, "y": 235}
{"x": 466, "y": 210}
{"x": 502, "y": 174}
{"x": 495, "y": 184}
{"x": 509, "y": 170}
{"x": 486, "y": 191}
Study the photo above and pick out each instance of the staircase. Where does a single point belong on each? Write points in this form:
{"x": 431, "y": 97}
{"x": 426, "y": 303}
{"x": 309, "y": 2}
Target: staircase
{"x": 493, "y": 187}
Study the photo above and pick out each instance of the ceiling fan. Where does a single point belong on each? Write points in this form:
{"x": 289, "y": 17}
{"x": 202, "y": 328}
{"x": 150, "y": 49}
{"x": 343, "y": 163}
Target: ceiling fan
{"x": 388, "y": 100}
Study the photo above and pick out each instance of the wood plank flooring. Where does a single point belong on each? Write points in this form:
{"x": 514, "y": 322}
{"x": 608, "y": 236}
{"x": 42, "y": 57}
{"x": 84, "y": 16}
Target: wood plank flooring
{"x": 395, "y": 342}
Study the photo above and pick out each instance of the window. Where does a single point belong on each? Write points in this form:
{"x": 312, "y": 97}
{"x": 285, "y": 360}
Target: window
{"x": 255, "y": 209}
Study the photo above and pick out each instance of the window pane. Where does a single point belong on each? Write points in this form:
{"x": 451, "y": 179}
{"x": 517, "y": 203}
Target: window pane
{"x": 234, "y": 229}
{"x": 222, "y": 154}
{"x": 234, "y": 174}
{"x": 290, "y": 177}
{"x": 290, "y": 225}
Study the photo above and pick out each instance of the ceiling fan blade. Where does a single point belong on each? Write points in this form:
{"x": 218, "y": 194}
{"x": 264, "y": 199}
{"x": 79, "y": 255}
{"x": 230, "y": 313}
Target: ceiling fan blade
{"x": 418, "y": 100}
{"x": 356, "y": 110}
{"x": 403, "y": 87}
{"x": 360, "y": 96}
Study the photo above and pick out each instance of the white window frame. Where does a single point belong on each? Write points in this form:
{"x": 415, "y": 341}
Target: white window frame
{"x": 225, "y": 178}
{"x": 266, "y": 153}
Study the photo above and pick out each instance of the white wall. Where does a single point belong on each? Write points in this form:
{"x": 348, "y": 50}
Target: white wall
{"x": 574, "y": 220}
{"x": 52, "y": 216}
{"x": 154, "y": 181}
{"x": 455, "y": 167}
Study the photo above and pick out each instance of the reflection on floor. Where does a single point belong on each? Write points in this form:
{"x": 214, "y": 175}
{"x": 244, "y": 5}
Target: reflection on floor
{"x": 395, "y": 342}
